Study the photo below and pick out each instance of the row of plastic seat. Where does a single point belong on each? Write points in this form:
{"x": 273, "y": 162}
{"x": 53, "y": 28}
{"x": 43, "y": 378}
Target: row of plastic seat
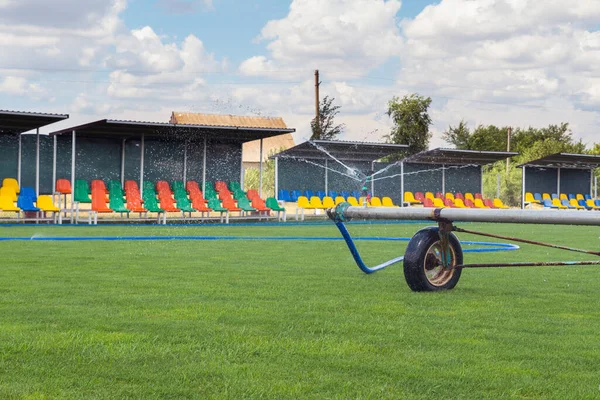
{"x": 572, "y": 204}
{"x": 315, "y": 202}
{"x": 539, "y": 198}
{"x": 25, "y": 198}
{"x": 419, "y": 197}
{"x": 293, "y": 195}
{"x": 460, "y": 203}
{"x": 162, "y": 197}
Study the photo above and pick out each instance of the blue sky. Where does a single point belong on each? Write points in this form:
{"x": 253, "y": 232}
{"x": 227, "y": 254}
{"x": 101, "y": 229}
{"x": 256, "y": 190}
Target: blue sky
{"x": 503, "y": 62}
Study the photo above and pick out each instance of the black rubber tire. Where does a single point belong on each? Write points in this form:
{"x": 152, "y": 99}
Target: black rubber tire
{"x": 414, "y": 261}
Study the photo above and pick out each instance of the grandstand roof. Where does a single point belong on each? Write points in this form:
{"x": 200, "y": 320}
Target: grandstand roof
{"x": 458, "y": 157}
{"x": 565, "y": 160}
{"x": 118, "y": 128}
{"x": 342, "y": 150}
{"x": 220, "y": 120}
{"x": 20, "y": 121}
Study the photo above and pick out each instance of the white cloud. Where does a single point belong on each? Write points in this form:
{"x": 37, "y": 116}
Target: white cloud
{"x": 508, "y": 61}
{"x": 348, "y": 37}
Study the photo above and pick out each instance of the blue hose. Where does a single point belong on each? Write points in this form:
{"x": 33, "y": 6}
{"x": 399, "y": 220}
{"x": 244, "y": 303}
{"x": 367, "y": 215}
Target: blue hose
{"x": 369, "y": 270}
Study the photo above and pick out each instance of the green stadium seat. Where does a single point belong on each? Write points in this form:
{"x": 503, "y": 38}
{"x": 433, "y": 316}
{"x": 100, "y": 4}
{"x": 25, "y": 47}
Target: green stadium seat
{"x": 151, "y": 204}
{"x": 82, "y": 195}
{"x": 117, "y": 204}
{"x": 178, "y": 185}
{"x": 185, "y": 205}
{"x": 234, "y": 185}
{"x": 244, "y": 204}
{"x": 273, "y": 204}
{"x": 180, "y": 194}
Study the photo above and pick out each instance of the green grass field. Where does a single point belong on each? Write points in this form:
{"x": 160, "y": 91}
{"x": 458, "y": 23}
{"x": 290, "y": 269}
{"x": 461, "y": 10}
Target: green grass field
{"x": 290, "y": 320}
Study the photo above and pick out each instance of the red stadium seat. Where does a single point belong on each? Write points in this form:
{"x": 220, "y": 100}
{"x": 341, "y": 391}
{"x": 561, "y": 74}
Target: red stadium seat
{"x": 63, "y": 186}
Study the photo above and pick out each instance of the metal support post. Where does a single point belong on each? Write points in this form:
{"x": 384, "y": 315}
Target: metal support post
{"x": 261, "y": 170}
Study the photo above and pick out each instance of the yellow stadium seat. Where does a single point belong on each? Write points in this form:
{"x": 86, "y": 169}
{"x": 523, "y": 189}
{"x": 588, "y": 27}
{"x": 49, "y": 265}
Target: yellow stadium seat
{"x": 469, "y": 196}
{"x": 579, "y": 196}
{"x": 339, "y": 200}
{"x": 9, "y": 191}
{"x": 499, "y": 204}
{"x": 439, "y": 203}
{"x": 315, "y": 202}
{"x": 375, "y": 202}
{"x": 387, "y": 202}
{"x": 409, "y": 197}
{"x": 528, "y": 198}
{"x": 575, "y": 204}
{"x": 11, "y": 182}
{"x": 429, "y": 195}
{"x": 546, "y": 196}
{"x": 352, "y": 201}
{"x": 557, "y": 203}
{"x": 591, "y": 203}
{"x": 479, "y": 204}
{"x": 450, "y": 196}
{"x": 45, "y": 203}
{"x": 458, "y": 203}
{"x": 303, "y": 203}
{"x": 7, "y": 204}
{"x": 563, "y": 196}
{"x": 328, "y": 202}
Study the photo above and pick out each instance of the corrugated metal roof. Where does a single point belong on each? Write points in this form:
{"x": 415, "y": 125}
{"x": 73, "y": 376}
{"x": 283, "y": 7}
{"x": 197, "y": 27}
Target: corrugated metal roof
{"x": 218, "y": 120}
{"x": 565, "y": 160}
{"x": 125, "y": 129}
{"x": 12, "y": 122}
{"x": 458, "y": 157}
{"x": 342, "y": 150}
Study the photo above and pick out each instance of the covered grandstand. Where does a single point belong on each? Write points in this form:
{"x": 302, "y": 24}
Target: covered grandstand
{"x": 334, "y": 166}
{"x": 560, "y": 176}
{"x": 25, "y": 157}
{"x": 449, "y": 170}
{"x": 114, "y": 154}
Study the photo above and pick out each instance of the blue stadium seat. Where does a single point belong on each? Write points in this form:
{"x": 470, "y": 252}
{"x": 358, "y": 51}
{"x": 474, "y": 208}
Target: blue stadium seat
{"x": 356, "y": 194}
{"x": 597, "y": 203}
{"x": 29, "y": 192}
{"x": 320, "y": 194}
{"x": 555, "y": 196}
{"x": 25, "y": 203}
{"x": 538, "y": 197}
{"x": 345, "y": 195}
{"x": 548, "y": 204}
{"x": 295, "y": 195}
{"x": 332, "y": 194}
{"x": 572, "y": 196}
{"x": 309, "y": 193}
{"x": 565, "y": 203}
{"x": 587, "y": 197}
{"x": 284, "y": 195}
{"x": 582, "y": 203}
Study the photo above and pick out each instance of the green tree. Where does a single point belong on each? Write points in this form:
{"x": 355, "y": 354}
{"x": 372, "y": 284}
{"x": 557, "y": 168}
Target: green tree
{"x": 326, "y": 129}
{"x": 252, "y": 176}
{"x": 559, "y": 137}
{"x": 411, "y": 122}
{"x": 458, "y": 136}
